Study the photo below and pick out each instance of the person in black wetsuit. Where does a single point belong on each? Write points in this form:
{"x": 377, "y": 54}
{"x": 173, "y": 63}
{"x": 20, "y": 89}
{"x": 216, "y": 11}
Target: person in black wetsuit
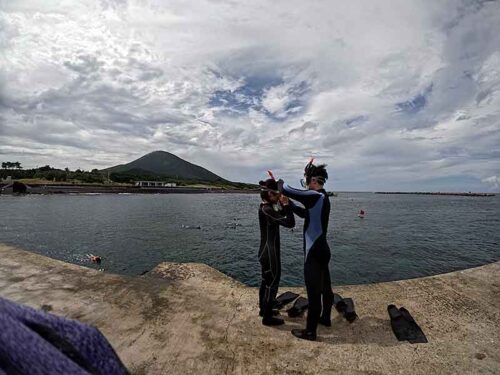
{"x": 273, "y": 212}
{"x": 316, "y": 212}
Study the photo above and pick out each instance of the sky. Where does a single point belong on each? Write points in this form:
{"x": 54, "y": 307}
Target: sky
{"x": 391, "y": 95}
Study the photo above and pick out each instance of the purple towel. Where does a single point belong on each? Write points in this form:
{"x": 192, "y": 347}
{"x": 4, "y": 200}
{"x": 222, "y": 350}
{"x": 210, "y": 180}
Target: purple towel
{"x": 35, "y": 342}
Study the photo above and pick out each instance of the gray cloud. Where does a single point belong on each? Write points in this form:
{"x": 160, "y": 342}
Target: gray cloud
{"x": 383, "y": 93}
{"x": 306, "y": 126}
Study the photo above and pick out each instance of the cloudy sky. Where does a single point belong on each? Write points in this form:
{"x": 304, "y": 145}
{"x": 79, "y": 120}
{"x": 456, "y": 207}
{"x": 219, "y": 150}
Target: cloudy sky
{"x": 392, "y": 95}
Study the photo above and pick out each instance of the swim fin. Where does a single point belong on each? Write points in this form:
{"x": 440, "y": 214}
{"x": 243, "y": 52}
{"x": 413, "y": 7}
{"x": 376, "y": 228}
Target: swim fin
{"x": 301, "y": 304}
{"x": 345, "y": 306}
{"x": 404, "y": 326}
{"x": 419, "y": 335}
{"x": 284, "y": 299}
{"x": 349, "y": 312}
{"x": 336, "y": 298}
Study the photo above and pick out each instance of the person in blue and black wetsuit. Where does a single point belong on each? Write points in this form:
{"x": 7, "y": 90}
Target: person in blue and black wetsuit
{"x": 273, "y": 212}
{"x": 316, "y": 213}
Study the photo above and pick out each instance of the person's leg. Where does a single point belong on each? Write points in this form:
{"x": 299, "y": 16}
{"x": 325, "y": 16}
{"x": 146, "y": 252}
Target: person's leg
{"x": 276, "y": 268}
{"x": 313, "y": 279}
{"x": 312, "y": 276}
{"x": 266, "y": 280}
{"x": 270, "y": 289}
{"x": 327, "y": 297}
{"x": 262, "y": 292}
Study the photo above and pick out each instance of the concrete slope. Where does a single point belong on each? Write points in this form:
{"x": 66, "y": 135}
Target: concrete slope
{"x": 192, "y": 319}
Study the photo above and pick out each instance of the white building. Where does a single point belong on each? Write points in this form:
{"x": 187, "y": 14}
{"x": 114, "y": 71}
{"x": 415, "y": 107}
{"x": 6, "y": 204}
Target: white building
{"x": 155, "y": 184}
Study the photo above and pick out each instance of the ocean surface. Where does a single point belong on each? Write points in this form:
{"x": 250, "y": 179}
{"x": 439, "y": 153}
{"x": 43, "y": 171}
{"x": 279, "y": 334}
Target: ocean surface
{"x": 401, "y": 237}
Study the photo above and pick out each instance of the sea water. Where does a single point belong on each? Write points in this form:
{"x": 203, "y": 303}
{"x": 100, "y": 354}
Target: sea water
{"x": 400, "y": 237}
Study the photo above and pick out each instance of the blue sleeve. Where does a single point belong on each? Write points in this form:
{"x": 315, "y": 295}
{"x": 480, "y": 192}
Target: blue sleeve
{"x": 307, "y": 197}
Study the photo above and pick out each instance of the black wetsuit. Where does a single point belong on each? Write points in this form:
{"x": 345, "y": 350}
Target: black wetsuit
{"x": 269, "y": 252}
{"x": 316, "y": 212}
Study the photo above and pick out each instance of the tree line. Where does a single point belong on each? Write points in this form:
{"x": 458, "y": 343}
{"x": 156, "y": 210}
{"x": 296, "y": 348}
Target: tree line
{"x": 16, "y": 172}
{"x": 46, "y": 172}
{"x": 11, "y": 165}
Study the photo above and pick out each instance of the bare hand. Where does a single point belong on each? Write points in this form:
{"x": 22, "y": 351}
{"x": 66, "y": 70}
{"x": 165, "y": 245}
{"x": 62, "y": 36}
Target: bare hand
{"x": 284, "y": 200}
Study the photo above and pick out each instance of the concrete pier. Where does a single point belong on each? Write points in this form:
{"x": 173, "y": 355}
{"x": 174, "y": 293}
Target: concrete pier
{"x": 192, "y": 319}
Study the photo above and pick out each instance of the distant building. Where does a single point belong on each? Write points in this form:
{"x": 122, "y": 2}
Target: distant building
{"x": 155, "y": 184}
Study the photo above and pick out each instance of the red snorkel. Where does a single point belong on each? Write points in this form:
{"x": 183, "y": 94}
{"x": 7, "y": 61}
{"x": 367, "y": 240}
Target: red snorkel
{"x": 271, "y": 175}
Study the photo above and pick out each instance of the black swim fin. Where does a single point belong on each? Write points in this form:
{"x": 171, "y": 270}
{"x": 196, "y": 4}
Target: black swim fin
{"x": 417, "y": 333}
{"x": 301, "y": 304}
{"x": 336, "y": 298}
{"x": 349, "y": 312}
{"x": 285, "y": 299}
{"x": 345, "y": 307}
{"x": 399, "y": 324}
{"x": 404, "y": 326}
{"x": 339, "y": 303}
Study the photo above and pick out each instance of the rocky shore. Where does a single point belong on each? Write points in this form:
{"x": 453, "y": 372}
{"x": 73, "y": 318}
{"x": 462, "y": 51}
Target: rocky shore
{"x": 192, "y": 319}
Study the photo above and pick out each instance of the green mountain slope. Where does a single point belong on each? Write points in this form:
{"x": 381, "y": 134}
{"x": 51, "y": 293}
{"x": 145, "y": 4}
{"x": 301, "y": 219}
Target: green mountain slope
{"x": 165, "y": 164}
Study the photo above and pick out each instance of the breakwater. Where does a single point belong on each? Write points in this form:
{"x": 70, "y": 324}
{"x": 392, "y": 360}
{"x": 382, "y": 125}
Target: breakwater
{"x": 192, "y": 319}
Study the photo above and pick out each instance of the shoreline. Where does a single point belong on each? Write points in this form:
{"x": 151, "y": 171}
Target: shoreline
{"x": 283, "y": 285}
{"x": 469, "y": 194}
{"x": 66, "y": 188}
{"x": 191, "y": 318}
{"x": 43, "y": 189}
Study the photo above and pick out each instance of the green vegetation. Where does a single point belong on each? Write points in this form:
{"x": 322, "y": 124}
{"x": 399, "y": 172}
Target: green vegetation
{"x": 11, "y": 165}
{"x": 131, "y": 176}
{"x": 50, "y": 174}
{"x": 164, "y": 165}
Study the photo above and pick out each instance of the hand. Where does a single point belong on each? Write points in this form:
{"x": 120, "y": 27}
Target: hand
{"x": 284, "y": 200}
{"x": 280, "y": 184}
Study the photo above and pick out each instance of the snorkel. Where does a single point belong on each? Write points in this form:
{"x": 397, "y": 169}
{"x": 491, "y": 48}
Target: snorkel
{"x": 307, "y": 174}
{"x": 271, "y": 175}
{"x": 314, "y": 173}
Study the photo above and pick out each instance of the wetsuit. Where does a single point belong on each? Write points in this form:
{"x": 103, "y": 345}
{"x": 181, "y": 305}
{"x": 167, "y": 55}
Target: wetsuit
{"x": 316, "y": 212}
{"x": 269, "y": 252}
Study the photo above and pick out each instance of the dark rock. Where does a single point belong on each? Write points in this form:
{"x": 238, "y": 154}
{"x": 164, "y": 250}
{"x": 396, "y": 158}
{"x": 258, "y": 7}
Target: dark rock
{"x": 19, "y": 188}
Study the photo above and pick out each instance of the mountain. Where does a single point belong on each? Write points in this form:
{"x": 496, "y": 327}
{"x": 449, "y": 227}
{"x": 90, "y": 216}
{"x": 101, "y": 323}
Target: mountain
{"x": 165, "y": 164}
